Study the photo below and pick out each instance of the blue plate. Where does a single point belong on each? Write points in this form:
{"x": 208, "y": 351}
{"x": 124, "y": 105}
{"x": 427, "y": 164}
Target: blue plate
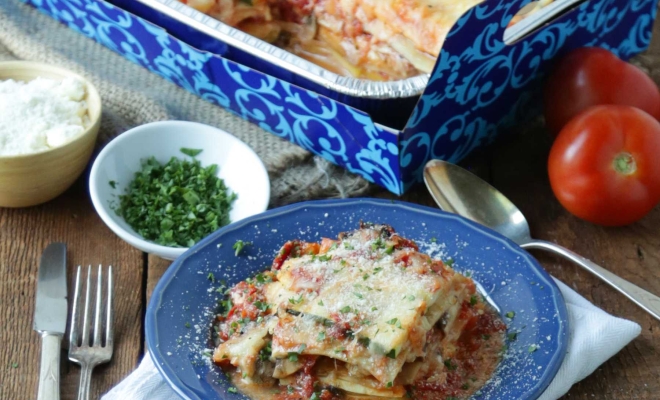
{"x": 182, "y": 306}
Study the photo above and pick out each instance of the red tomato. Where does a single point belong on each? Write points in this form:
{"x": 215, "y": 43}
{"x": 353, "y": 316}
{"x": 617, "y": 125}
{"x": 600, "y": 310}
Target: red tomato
{"x": 604, "y": 166}
{"x": 593, "y": 76}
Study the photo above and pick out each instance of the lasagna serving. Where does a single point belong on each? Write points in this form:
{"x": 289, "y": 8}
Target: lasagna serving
{"x": 363, "y": 316}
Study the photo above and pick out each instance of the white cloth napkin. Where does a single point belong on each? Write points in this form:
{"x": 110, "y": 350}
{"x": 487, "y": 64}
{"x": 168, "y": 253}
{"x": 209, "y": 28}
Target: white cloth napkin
{"x": 594, "y": 337}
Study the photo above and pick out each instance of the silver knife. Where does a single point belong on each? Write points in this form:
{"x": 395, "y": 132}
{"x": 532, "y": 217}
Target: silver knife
{"x": 50, "y": 315}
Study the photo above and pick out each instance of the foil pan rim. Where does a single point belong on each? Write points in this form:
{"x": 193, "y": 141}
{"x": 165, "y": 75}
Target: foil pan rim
{"x": 410, "y": 87}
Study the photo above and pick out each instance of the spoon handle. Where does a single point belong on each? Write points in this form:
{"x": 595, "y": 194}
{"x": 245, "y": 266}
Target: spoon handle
{"x": 648, "y": 301}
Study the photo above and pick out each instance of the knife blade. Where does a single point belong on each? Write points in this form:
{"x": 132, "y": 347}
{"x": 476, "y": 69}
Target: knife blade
{"x": 50, "y": 310}
{"x": 50, "y": 315}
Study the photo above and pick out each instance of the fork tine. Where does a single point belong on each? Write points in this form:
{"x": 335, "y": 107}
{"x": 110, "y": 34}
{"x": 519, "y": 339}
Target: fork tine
{"x": 97, "y": 313}
{"x": 85, "y": 332}
{"x": 109, "y": 310}
{"x": 75, "y": 315}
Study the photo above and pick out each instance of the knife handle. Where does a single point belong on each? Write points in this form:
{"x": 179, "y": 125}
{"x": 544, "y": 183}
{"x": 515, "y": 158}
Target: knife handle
{"x": 49, "y": 370}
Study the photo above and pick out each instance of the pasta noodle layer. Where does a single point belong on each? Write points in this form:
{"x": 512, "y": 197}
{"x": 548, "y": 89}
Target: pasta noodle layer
{"x": 365, "y": 315}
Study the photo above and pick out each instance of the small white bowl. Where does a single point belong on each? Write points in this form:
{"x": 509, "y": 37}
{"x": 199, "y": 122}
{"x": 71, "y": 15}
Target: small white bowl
{"x": 240, "y": 168}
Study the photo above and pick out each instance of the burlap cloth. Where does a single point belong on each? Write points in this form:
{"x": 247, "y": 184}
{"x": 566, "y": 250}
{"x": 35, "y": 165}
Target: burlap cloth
{"x": 133, "y": 96}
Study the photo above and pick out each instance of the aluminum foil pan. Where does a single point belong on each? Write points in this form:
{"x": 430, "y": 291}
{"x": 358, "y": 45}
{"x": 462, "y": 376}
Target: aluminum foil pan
{"x": 411, "y": 87}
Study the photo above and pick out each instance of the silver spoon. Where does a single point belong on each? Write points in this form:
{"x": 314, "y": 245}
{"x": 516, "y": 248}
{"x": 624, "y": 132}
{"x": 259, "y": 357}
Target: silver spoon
{"x": 458, "y": 191}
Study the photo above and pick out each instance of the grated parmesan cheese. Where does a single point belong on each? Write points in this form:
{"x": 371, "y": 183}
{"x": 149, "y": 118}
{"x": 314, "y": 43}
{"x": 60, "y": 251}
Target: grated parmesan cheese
{"x": 40, "y": 115}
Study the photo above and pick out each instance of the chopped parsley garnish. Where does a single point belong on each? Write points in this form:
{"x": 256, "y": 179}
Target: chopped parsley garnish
{"x": 296, "y": 301}
{"x": 449, "y": 262}
{"x": 389, "y": 384}
{"x": 393, "y": 321}
{"x": 510, "y": 315}
{"x": 113, "y": 184}
{"x": 377, "y": 244}
{"x": 293, "y": 356}
{"x": 389, "y": 249}
{"x": 191, "y": 152}
{"x": 325, "y": 257}
{"x": 433, "y": 240}
{"x": 473, "y": 300}
{"x": 391, "y": 354}
{"x": 238, "y": 247}
{"x": 450, "y": 366}
{"x": 176, "y": 204}
{"x": 261, "y": 278}
{"x": 265, "y": 352}
{"x": 187, "y": 325}
{"x": 321, "y": 303}
{"x": 345, "y": 310}
{"x": 359, "y": 295}
{"x": 512, "y": 336}
{"x": 232, "y": 390}
{"x": 321, "y": 336}
{"x": 226, "y": 305}
{"x": 263, "y": 306}
{"x": 365, "y": 341}
{"x": 211, "y": 277}
{"x": 347, "y": 246}
{"x": 532, "y": 348}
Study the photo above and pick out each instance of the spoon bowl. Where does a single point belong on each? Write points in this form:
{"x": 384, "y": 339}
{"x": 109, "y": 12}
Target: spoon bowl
{"x": 459, "y": 191}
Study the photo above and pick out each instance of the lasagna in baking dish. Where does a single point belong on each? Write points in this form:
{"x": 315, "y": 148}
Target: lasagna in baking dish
{"x": 368, "y": 39}
{"x": 366, "y": 315}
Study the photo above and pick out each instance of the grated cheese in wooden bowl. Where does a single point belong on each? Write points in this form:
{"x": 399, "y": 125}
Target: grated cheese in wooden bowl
{"x": 41, "y": 114}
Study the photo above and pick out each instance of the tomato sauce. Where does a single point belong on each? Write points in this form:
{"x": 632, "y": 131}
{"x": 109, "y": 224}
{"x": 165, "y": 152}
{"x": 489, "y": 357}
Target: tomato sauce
{"x": 294, "y": 249}
{"x": 249, "y": 304}
{"x": 478, "y": 354}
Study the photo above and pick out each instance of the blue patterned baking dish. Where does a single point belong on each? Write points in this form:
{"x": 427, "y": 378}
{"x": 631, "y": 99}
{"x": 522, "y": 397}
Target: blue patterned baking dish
{"x": 479, "y": 87}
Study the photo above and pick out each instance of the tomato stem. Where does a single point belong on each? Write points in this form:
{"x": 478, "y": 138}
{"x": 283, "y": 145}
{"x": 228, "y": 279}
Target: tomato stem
{"x": 624, "y": 163}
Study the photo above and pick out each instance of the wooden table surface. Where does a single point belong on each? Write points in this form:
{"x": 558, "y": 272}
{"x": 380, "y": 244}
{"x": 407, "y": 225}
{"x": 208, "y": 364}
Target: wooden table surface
{"x": 515, "y": 165}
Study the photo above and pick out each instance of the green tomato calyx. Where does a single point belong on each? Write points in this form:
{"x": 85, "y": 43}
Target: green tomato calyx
{"x": 625, "y": 164}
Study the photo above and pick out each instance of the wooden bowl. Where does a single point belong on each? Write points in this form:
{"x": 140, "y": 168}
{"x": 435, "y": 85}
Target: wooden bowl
{"x": 31, "y": 179}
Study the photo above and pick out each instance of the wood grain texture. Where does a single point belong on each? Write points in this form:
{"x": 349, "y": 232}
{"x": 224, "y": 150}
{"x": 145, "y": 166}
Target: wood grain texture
{"x": 157, "y": 267}
{"x": 632, "y": 252}
{"x": 24, "y": 233}
{"x": 516, "y": 166}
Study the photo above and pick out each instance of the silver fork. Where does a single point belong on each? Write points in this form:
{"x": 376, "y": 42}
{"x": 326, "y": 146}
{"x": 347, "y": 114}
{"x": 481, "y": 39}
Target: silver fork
{"x": 82, "y": 349}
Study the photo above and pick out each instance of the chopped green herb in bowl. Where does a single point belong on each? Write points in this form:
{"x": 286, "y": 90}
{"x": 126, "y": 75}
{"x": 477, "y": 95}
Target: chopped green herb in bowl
{"x": 166, "y": 185}
{"x": 178, "y": 203}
